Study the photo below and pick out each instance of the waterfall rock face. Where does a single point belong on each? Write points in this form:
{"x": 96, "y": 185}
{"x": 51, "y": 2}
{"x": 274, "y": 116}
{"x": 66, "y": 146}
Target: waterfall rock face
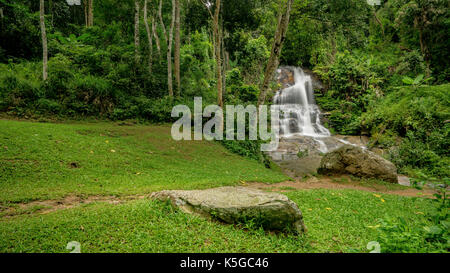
{"x": 354, "y": 160}
{"x": 299, "y": 114}
{"x": 273, "y": 211}
{"x": 305, "y": 142}
{"x": 303, "y": 138}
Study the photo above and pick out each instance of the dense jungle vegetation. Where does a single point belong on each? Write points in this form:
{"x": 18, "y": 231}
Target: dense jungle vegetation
{"x": 385, "y": 68}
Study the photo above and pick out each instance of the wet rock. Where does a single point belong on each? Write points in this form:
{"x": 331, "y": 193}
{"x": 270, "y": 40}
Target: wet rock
{"x": 285, "y": 77}
{"x": 404, "y": 180}
{"x": 273, "y": 211}
{"x": 299, "y": 156}
{"x": 354, "y": 160}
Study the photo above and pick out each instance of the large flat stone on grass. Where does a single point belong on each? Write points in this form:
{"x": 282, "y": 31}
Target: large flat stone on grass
{"x": 272, "y": 211}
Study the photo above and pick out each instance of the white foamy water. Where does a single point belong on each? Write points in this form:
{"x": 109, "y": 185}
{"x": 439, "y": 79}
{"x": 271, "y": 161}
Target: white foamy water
{"x": 299, "y": 114}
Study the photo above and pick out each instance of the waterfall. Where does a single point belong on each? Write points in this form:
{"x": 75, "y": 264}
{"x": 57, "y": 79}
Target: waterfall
{"x": 299, "y": 114}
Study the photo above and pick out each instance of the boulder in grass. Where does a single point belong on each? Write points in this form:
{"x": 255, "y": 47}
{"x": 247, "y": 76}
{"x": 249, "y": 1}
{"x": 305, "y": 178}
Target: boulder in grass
{"x": 356, "y": 161}
{"x": 272, "y": 211}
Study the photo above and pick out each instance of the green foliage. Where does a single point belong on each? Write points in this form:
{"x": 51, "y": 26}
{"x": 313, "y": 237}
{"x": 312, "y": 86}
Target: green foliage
{"x": 353, "y": 80}
{"x": 398, "y": 236}
{"x": 419, "y": 80}
{"x": 252, "y": 58}
{"x": 19, "y": 31}
{"x": 423, "y": 24}
{"x": 321, "y": 25}
{"x": 244, "y": 93}
{"x": 411, "y": 63}
{"x": 197, "y": 64}
{"x": 237, "y": 91}
{"x": 361, "y": 53}
{"x": 154, "y": 110}
{"x": 420, "y": 115}
{"x": 250, "y": 149}
{"x": 433, "y": 235}
{"x": 19, "y": 86}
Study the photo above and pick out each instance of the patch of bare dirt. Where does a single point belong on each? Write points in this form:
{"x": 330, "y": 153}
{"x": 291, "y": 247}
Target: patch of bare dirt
{"x": 343, "y": 182}
{"x": 334, "y": 183}
{"x": 71, "y": 201}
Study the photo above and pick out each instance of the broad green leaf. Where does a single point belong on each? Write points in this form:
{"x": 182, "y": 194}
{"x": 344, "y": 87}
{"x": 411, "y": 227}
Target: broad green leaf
{"x": 418, "y": 79}
{"x": 407, "y": 80}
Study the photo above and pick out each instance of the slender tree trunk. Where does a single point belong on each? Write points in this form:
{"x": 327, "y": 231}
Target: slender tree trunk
{"x": 177, "y": 47}
{"x": 161, "y": 21}
{"x": 168, "y": 38}
{"x": 280, "y": 35}
{"x": 91, "y": 13}
{"x": 218, "y": 54}
{"x": 136, "y": 32}
{"x": 86, "y": 17}
{"x": 44, "y": 40}
{"x": 155, "y": 34}
{"x": 224, "y": 61}
{"x": 169, "y": 52}
{"x": 149, "y": 38}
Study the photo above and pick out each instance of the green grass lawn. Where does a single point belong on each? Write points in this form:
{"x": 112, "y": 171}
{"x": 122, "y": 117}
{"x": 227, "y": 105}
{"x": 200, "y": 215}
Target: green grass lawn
{"x": 49, "y": 161}
{"x": 337, "y": 221}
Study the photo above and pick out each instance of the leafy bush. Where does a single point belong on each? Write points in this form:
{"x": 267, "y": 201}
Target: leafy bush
{"x": 19, "y": 85}
{"x": 412, "y": 63}
{"x": 253, "y": 57}
{"x": 419, "y": 115}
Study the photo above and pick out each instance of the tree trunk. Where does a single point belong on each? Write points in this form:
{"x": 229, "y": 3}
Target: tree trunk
{"x": 91, "y": 13}
{"x": 280, "y": 35}
{"x": 224, "y": 61}
{"x": 86, "y": 17}
{"x": 149, "y": 38}
{"x": 44, "y": 40}
{"x": 177, "y": 47}
{"x": 169, "y": 51}
{"x": 158, "y": 44}
{"x": 169, "y": 40}
{"x": 161, "y": 20}
{"x": 136, "y": 32}
{"x": 218, "y": 54}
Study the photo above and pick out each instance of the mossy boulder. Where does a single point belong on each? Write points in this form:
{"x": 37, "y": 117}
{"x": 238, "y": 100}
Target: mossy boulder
{"x": 357, "y": 161}
{"x": 272, "y": 211}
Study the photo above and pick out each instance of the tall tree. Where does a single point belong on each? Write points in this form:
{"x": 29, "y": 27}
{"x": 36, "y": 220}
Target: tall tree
{"x": 217, "y": 48}
{"x": 90, "y": 13}
{"x": 155, "y": 34}
{"x": 169, "y": 51}
{"x": 44, "y": 40}
{"x": 136, "y": 31}
{"x": 149, "y": 37}
{"x": 86, "y": 16}
{"x": 169, "y": 40}
{"x": 280, "y": 36}
{"x": 177, "y": 47}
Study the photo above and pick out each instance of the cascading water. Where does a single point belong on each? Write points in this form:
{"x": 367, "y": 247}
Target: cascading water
{"x": 302, "y": 138}
{"x": 299, "y": 115}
